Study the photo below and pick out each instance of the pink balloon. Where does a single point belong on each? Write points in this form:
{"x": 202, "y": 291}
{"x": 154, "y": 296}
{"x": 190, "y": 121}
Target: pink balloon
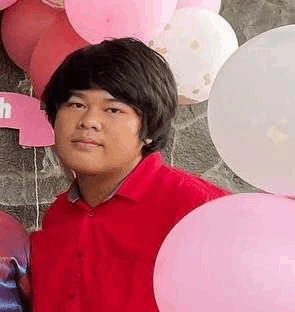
{"x": 211, "y": 5}
{"x": 23, "y": 112}
{"x": 22, "y": 25}
{"x": 236, "y": 253}
{"x": 96, "y": 19}
{"x": 6, "y": 3}
{"x": 53, "y": 47}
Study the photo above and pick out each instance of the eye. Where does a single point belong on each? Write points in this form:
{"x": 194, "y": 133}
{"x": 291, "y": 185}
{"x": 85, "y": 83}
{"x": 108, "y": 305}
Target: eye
{"x": 113, "y": 110}
{"x": 75, "y": 104}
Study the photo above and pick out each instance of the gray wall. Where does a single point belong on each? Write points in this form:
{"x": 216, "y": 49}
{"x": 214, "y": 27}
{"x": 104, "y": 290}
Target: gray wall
{"x": 189, "y": 147}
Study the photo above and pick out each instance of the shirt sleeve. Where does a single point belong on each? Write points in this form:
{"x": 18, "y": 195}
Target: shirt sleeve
{"x": 194, "y": 193}
{"x": 213, "y": 191}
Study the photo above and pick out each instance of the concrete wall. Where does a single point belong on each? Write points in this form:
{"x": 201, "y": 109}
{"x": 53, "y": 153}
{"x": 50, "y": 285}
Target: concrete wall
{"x": 190, "y": 145}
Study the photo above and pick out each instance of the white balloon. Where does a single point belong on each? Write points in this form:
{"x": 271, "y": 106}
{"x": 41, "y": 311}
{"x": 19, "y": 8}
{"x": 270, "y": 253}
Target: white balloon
{"x": 196, "y": 43}
{"x": 210, "y": 5}
{"x": 251, "y": 111}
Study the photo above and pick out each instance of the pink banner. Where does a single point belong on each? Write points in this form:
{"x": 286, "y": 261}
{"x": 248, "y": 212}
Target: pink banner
{"x": 22, "y": 112}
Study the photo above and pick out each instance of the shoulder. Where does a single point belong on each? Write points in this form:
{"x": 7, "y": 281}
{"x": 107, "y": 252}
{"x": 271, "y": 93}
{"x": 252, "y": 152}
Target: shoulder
{"x": 55, "y": 211}
{"x": 184, "y": 181}
{"x": 185, "y": 190}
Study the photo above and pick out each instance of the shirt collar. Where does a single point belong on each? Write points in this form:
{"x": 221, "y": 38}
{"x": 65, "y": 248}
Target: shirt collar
{"x": 134, "y": 185}
{"x": 74, "y": 192}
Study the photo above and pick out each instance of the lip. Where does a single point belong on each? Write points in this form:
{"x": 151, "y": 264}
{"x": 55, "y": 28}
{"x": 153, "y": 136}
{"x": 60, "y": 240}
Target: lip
{"x": 86, "y": 141}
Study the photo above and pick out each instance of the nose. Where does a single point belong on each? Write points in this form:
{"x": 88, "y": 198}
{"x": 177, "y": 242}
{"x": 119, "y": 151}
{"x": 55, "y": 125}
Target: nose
{"x": 91, "y": 119}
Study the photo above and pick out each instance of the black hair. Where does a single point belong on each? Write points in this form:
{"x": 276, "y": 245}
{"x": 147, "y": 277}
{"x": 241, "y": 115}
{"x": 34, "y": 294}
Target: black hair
{"x": 131, "y": 72}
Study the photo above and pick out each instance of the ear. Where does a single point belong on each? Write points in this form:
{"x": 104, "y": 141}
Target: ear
{"x": 142, "y": 144}
{"x": 148, "y": 141}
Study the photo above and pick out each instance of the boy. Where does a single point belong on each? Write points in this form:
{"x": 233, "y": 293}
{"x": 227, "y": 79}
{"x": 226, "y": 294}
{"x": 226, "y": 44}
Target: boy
{"x": 111, "y": 107}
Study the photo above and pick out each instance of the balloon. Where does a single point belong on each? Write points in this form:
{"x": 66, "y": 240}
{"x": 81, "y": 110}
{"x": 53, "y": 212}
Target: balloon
{"x": 6, "y": 3}
{"x": 22, "y": 26}
{"x": 211, "y": 5}
{"x": 14, "y": 241}
{"x": 57, "y": 4}
{"x": 14, "y": 248}
{"x": 196, "y": 43}
{"x": 289, "y": 195}
{"x": 53, "y": 47}
{"x": 142, "y": 18}
{"x": 235, "y": 253}
{"x": 23, "y": 112}
{"x": 251, "y": 111}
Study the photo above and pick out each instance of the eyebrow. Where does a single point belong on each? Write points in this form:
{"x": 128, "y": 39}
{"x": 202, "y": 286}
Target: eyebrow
{"x": 81, "y": 95}
{"x": 76, "y": 93}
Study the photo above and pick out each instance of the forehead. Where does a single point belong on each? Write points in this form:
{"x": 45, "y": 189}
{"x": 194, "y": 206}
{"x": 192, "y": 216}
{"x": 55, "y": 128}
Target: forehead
{"x": 98, "y": 93}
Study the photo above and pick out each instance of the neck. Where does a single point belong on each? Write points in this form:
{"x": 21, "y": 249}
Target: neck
{"x": 96, "y": 188}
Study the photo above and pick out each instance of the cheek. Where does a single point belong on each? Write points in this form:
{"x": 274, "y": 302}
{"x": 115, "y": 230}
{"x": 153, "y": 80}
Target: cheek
{"x": 63, "y": 125}
{"x": 133, "y": 126}
{"x": 58, "y": 132}
{"x": 61, "y": 130}
{"x": 125, "y": 135}
{"x": 132, "y": 131}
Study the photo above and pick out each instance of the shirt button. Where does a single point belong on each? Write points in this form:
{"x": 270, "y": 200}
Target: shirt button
{"x": 79, "y": 254}
{"x": 77, "y": 275}
{"x": 90, "y": 213}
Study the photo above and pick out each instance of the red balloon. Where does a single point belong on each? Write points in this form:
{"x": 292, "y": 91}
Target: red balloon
{"x": 22, "y": 25}
{"x": 54, "y": 45}
{"x": 14, "y": 244}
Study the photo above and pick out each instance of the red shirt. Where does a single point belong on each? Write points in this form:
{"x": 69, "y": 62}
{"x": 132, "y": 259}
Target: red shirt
{"x": 102, "y": 258}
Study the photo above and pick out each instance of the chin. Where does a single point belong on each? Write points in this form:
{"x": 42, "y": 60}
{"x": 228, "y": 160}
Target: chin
{"x": 88, "y": 171}
{"x": 85, "y": 166}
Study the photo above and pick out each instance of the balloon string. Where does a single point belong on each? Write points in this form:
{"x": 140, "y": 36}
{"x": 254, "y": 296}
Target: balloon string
{"x": 36, "y": 176}
{"x": 36, "y": 185}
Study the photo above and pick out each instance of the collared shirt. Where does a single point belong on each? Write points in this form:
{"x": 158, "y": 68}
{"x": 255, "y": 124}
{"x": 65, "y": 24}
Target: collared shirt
{"x": 102, "y": 258}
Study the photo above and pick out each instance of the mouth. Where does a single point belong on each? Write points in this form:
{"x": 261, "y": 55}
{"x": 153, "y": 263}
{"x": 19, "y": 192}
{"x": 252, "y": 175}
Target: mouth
{"x": 86, "y": 144}
{"x": 86, "y": 141}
